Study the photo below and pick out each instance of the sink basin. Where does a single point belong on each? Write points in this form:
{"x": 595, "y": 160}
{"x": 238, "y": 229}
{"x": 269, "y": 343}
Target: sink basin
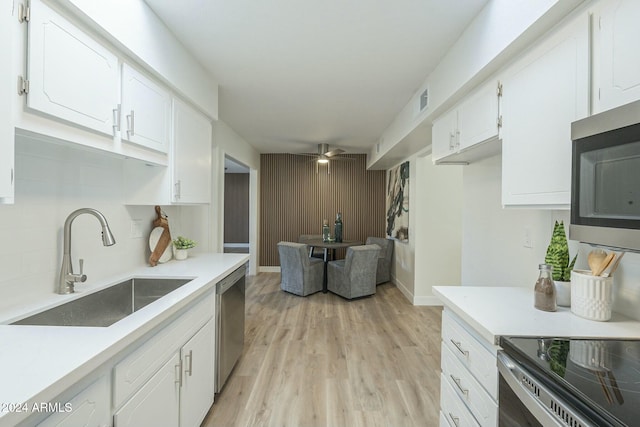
{"x": 105, "y": 307}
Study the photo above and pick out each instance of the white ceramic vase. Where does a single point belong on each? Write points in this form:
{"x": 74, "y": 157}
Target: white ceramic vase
{"x": 181, "y": 254}
{"x": 563, "y": 293}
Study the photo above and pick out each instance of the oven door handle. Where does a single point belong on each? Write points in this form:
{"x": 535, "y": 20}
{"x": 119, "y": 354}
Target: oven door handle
{"x": 519, "y": 381}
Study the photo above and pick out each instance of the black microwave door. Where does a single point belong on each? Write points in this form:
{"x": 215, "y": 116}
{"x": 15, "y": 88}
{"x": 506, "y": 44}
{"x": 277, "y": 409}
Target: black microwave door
{"x": 606, "y": 179}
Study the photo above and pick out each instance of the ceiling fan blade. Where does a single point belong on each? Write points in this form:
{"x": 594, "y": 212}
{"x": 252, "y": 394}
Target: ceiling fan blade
{"x": 334, "y": 152}
{"x": 305, "y": 154}
{"x": 342, "y": 158}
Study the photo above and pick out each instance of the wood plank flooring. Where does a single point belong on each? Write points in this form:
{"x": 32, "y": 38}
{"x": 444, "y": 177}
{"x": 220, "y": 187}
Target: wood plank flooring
{"x": 321, "y": 361}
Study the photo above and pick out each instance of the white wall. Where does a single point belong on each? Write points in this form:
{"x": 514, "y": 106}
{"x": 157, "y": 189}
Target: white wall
{"x": 432, "y": 255}
{"x": 226, "y": 142}
{"x": 493, "y": 252}
{"x": 52, "y": 181}
{"x": 438, "y": 228}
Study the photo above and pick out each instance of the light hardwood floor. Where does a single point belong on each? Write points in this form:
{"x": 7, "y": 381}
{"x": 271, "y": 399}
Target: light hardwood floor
{"x": 325, "y": 361}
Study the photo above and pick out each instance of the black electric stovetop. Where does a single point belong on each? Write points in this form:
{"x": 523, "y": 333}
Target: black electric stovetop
{"x": 602, "y": 375}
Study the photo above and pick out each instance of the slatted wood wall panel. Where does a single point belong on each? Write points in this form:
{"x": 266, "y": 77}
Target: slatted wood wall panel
{"x": 236, "y": 208}
{"x": 294, "y": 200}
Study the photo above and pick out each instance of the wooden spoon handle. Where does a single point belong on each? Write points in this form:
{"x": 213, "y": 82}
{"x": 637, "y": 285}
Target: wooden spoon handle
{"x": 605, "y": 263}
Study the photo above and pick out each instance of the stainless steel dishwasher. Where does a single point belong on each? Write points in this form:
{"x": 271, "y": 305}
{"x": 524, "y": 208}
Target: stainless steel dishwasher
{"x": 230, "y": 294}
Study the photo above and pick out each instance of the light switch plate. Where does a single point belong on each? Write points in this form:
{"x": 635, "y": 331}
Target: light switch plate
{"x": 136, "y": 229}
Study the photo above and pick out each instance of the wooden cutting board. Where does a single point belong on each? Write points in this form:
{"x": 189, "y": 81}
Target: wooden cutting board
{"x": 165, "y": 238}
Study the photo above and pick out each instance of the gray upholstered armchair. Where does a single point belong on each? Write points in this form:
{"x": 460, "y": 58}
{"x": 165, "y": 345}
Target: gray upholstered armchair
{"x": 354, "y": 276}
{"x": 383, "y": 270}
{"x": 301, "y": 275}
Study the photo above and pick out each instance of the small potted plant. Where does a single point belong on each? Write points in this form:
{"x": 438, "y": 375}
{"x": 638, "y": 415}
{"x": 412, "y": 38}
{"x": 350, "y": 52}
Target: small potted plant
{"x": 182, "y": 245}
{"x": 558, "y": 256}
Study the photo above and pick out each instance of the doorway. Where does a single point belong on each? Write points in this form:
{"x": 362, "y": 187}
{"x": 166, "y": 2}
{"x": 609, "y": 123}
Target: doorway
{"x": 236, "y": 207}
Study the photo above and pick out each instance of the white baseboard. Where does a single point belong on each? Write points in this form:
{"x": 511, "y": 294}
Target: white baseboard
{"x": 407, "y": 294}
{"x": 269, "y": 269}
{"x": 429, "y": 300}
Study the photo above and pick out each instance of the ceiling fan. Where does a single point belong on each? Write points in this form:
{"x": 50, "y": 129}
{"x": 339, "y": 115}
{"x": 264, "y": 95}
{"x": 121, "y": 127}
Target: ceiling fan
{"x": 324, "y": 154}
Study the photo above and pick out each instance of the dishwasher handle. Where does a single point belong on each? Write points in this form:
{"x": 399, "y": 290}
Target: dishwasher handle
{"x": 229, "y": 281}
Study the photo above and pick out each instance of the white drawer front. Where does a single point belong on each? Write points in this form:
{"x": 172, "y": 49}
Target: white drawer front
{"x": 443, "y": 420}
{"x": 134, "y": 370}
{"x": 471, "y": 353}
{"x": 481, "y": 404}
{"x": 453, "y": 409}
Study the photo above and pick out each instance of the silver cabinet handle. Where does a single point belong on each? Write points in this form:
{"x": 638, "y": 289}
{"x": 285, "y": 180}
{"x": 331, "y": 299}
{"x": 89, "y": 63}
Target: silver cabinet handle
{"x": 451, "y": 139}
{"x": 458, "y": 345}
{"x": 178, "y": 188}
{"x": 178, "y": 368}
{"x": 131, "y": 123}
{"x": 455, "y": 420}
{"x": 189, "y": 359}
{"x": 457, "y": 383}
{"x": 116, "y": 118}
{"x": 458, "y": 139}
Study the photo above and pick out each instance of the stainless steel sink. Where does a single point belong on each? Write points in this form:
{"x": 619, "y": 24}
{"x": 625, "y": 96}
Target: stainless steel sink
{"x": 105, "y": 307}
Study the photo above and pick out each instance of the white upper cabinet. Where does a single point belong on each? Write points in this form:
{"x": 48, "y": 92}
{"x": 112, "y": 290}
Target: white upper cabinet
{"x": 544, "y": 92}
{"x": 616, "y": 57}
{"x": 146, "y": 111}
{"x": 191, "y": 155}
{"x": 71, "y": 76}
{"x": 469, "y": 131}
{"x": 7, "y": 94}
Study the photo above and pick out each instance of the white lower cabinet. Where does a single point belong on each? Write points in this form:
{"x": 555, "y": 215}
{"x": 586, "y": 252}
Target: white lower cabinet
{"x": 469, "y": 380}
{"x": 157, "y": 403}
{"x": 90, "y": 407}
{"x": 180, "y": 393}
{"x": 169, "y": 379}
{"x": 196, "y": 394}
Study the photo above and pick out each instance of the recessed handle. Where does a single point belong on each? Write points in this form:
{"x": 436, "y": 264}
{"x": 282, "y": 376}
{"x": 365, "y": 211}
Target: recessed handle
{"x": 454, "y": 419}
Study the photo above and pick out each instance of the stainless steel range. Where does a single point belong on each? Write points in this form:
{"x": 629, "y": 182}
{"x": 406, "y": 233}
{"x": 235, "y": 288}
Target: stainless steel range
{"x": 569, "y": 382}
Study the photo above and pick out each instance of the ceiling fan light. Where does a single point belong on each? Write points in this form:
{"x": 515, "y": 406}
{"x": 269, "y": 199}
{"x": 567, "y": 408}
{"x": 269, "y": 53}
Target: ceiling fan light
{"x": 323, "y": 160}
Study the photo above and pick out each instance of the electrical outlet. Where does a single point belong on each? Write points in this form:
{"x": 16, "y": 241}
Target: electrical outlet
{"x": 528, "y": 243}
{"x": 136, "y": 229}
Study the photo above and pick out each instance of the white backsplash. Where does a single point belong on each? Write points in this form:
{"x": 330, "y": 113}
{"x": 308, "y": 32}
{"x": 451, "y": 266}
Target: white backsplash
{"x": 493, "y": 251}
{"x": 52, "y": 181}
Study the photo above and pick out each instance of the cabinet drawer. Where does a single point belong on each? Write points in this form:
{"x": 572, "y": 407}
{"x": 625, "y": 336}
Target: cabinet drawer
{"x": 453, "y": 409}
{"x": 134, "y": 370}
{"x": 472, "y": 354}
{"x": 479, "y": 402}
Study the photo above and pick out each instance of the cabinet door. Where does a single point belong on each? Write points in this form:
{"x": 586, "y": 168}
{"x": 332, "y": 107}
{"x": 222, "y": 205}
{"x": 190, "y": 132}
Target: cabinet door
{"x": 478, "y": 116}
{"x": 543, "y": 93}
{"x": 157, "y": 403}
{"x": 196, "y": 395}
{"x": 191, "y": 155}
{"x": 616, "y": 56}
{"x": 91, "y": 407}
{"x": 7, "y": 95}
{"x": 71, "y": 76}
{"x": 146, "y": 111}
{"x": 444, "y": 135}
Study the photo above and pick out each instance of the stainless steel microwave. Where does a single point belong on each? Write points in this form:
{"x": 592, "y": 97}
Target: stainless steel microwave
{"x": 605, "y": 178}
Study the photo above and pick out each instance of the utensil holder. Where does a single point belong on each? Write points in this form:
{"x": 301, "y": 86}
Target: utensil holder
{"x": 591, "y": 296}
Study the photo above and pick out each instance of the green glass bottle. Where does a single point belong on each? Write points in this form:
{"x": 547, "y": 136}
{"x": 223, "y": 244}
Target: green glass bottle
{"x": 325, "y": 230}
{"x": 338, "y": 228}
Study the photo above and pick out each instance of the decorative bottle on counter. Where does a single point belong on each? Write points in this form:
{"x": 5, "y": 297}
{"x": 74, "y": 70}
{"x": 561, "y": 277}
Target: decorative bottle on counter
{"x": 545, "y": 291}
{"x": 325, "y": 230}
{"x": 338, "y": 227}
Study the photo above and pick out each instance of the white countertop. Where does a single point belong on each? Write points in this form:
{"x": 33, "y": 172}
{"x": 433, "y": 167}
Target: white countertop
{"x": 508, "y": 311}
{"x": 37, "y": 363}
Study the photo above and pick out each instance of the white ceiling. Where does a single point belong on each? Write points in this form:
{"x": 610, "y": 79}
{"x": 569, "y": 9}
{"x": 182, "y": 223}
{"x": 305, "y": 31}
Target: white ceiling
{"x": 295, "y": 73}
